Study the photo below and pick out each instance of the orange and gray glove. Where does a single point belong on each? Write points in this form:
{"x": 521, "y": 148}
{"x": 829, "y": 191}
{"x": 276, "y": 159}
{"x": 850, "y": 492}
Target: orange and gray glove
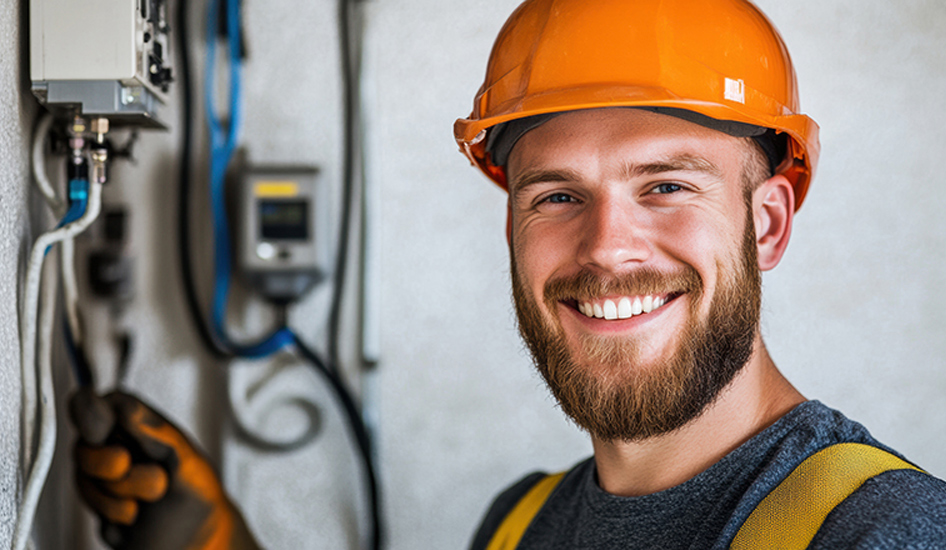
{"x": 151, "y": 487}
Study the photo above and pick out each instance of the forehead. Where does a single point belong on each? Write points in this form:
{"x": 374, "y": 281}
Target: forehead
{"x": 593, "y": 139}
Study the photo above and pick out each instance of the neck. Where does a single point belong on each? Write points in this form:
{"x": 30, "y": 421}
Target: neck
{"x": 757, "y": 397}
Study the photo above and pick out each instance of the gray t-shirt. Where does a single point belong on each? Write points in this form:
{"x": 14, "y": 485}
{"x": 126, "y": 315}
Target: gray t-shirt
{"x": 903, "y": 509}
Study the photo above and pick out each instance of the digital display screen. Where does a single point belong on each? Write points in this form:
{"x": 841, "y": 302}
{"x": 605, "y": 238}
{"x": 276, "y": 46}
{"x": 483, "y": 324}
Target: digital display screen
{"x": 284, "y": 220}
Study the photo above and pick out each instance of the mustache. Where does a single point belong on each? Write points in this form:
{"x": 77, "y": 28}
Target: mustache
{"x": 586, "y": 285}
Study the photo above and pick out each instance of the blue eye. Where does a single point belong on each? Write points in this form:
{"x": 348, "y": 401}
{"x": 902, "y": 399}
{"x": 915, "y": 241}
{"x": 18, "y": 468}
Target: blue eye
{"x": 665, "y": 188}
{"x": 559, "y": 198}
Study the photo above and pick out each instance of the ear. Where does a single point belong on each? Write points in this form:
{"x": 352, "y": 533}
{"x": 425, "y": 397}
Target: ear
{"x": 773, "y": 207}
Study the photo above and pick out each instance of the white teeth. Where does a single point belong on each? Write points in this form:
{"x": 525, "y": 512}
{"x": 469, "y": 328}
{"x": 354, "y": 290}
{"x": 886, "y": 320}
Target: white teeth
{"x": 610, "y": 310}
{"x": 624, "y": 309}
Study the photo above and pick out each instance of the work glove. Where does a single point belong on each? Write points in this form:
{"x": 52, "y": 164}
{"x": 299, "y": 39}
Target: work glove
{"x": 151, "y": 487}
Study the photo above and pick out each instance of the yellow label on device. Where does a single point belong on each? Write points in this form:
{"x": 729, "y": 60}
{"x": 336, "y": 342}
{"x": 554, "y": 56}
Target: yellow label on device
{"x": 276, "y": 189}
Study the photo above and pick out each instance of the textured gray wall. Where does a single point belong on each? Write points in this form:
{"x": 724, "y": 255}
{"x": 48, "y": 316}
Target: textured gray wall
{"x": 15, "y": 122}
{"x": 854, "y": 315}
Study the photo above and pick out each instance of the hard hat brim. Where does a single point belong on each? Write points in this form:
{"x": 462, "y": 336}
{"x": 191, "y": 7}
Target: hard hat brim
{"x": 799, "y": 163}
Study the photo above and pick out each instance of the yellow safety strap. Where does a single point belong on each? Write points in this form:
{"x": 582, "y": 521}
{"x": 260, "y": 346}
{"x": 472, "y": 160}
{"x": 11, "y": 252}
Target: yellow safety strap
{"x": 787, "y": 519}
{"x": 512, "y": 528}
{"x": 790, "y": 516}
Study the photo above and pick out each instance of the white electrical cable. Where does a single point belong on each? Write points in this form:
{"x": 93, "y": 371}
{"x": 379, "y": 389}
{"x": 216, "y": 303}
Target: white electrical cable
{"x": 47, "y": 321}
{"x": 70, "y": 288}
{"x": 57, "y": 205}
{"x": 39, "y": 166}
{"x": 70, "y": 285}
{"x": 40, "y": 179}
{"x": 39, "y": 469}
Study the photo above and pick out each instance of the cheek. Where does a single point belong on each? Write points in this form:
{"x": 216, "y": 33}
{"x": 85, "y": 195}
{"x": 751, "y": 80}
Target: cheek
{"x": 706, "y": 246}
{"x": 531, "y": 274}
{"x": 540, "y": 253}
{"x": 687, "y": 238}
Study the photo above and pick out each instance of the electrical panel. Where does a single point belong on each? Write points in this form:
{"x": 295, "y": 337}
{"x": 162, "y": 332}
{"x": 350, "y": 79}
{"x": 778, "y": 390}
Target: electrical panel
{"x": 107, "y": 58}
{"x": 282, "y": 248}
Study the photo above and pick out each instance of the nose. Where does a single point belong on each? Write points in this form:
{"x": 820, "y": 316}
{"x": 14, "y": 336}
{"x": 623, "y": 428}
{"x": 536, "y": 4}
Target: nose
{"x": 613, "y": 238}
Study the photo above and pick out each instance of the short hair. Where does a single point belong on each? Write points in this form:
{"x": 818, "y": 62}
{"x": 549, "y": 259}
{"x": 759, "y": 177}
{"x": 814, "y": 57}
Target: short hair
{"x": 756, "y": 165}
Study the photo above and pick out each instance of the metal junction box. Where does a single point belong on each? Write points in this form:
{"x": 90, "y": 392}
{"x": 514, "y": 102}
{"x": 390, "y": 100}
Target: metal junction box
{"x": 106, "y": 58}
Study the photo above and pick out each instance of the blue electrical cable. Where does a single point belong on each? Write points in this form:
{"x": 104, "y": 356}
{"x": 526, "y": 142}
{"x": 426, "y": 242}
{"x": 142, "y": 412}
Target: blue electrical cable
{"x": 78, "y": 200}
{"x": 222, "y": 146}
{"x": 78, "y": 203}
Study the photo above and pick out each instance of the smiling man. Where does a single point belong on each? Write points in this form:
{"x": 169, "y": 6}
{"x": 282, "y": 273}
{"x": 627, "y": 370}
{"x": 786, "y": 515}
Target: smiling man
{"x": 654, "y": 154}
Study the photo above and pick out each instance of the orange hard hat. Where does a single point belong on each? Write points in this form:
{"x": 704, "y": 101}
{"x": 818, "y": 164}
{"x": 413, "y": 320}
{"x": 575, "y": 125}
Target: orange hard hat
{"x": 721, "y": 59}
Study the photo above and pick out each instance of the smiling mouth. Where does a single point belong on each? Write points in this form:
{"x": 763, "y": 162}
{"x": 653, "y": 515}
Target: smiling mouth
{"x": 624, "y": 307}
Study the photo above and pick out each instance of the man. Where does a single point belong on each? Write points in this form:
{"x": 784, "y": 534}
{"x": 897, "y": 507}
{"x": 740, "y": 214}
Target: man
{"x": 654, "y": 155}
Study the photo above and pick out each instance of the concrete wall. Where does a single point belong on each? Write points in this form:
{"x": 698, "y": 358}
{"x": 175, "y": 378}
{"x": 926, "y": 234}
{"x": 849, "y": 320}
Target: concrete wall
{"x": 854, "y": 314}
{"x": 16, "y": 114}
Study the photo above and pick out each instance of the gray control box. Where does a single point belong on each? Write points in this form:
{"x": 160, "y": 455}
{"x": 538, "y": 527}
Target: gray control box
{"x": 282, "y": 230}
{"x": 108, "y": 58}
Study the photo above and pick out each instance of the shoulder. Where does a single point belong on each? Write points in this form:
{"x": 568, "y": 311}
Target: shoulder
{"x": 896, "y": 509}
{"x": 893, "y": 510}
{"x": 501, "y": 507}
{"x": 504, "y": 503}
{"x": 898, "y": 505}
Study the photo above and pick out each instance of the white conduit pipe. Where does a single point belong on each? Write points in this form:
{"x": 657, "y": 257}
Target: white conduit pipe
{"x": 39, "y": 166}
{"x": 39, "y": 468}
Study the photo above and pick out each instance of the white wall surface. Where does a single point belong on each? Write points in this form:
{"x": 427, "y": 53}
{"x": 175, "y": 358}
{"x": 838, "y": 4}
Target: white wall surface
{"x": 853, "y": 315}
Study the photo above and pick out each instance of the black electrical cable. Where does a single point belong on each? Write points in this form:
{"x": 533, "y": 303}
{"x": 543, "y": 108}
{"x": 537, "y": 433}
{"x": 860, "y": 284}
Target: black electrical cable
{"x": 350, "y": 54}
{"x": 350, "y": 122}
{"x": 125, "y": 348}
{"x": 350, "y": 87}
{"x": 85, "y": 378}
{"x": 184, "y": 187}
{"x": 328, "y": 370}
{"x": 357, "y": 426}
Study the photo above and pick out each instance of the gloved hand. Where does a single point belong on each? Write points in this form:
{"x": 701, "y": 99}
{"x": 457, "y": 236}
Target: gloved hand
{"x": 151, "y": 487}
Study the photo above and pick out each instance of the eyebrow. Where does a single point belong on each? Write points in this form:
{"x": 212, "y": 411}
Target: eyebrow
{"x": 684, "y": 162}
{"x": 678, "y": 163}
{"x": 532, "y": 177}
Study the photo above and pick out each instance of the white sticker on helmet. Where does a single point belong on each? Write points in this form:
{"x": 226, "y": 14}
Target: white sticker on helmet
{"x": 735, "y": 90}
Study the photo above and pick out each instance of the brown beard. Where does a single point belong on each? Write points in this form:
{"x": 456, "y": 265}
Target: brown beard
{"x": 609, "y": 394}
